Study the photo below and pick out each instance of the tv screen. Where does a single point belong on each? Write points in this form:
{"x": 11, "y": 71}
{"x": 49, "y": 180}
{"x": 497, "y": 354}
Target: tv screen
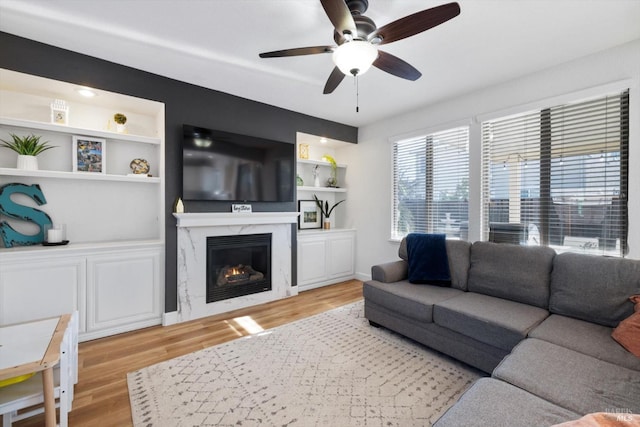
{"x": 220, "y": 165}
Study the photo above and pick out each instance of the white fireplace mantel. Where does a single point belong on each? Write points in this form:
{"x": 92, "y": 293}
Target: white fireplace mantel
{"x": 193, "y": 231}
{"x": 214, "y": 219}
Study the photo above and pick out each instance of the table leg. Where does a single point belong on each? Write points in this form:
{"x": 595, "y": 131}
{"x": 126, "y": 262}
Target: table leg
{"x": 49, "y": 398}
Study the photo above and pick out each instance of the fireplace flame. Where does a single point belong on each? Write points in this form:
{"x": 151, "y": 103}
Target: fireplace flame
{"x": 234, "y": 271}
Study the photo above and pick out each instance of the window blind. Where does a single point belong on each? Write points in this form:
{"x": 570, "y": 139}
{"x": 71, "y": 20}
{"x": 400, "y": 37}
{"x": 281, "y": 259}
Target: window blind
{"x": 558, "y": 176}
{"x": 431, "y": 184}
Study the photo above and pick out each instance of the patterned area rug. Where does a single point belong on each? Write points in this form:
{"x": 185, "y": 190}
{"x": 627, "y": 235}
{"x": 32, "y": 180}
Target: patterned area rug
{"x": 332, "y": 369}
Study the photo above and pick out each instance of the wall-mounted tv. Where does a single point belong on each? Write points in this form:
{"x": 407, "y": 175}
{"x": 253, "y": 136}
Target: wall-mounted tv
{"x": 219, "y": 165}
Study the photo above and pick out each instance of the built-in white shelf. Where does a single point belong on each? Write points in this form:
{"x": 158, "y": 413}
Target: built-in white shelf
{"x": 78, "y": 175}
{"x": 322, "y": 189}
{"x": 318, "y": 162}
{"x": 84, "y": 247}
{"x": 54, "y": 127}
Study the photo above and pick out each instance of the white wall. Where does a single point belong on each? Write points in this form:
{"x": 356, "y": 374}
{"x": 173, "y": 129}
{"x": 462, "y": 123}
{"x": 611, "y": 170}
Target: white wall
{"x": 369, "y": 207}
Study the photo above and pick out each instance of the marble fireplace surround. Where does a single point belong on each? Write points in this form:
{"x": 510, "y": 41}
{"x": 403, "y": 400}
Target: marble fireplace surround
{"x": 193, "y": 230}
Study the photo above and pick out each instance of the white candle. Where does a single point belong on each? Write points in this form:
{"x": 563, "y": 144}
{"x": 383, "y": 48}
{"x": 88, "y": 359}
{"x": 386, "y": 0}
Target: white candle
{"x": 54, "y": 235}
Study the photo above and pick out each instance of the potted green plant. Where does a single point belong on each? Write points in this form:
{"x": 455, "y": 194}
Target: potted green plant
{"x": 120, "y": 120}
{"x": 332, "y": 181}
{"x": 27, "y": 147}
{"x": 326, "y": 211}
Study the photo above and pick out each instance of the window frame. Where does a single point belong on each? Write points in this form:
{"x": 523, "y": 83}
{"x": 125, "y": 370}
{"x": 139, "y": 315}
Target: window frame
{"x": 546, "y": 168}
{"x": 427, "y": 136}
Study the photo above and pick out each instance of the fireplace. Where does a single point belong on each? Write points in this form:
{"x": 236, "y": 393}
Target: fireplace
{"x": 238, "y": 265}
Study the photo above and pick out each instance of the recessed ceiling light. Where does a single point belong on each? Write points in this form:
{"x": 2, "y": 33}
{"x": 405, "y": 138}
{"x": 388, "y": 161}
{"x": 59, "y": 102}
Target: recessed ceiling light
{"x": 323, "y": 140}
{"x": 86, "y": 92}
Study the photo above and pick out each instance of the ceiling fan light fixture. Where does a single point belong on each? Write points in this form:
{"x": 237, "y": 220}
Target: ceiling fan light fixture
{"x": 355, "y": 57}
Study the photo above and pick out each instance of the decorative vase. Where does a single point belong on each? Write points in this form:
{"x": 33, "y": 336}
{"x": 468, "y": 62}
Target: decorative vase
{"x": 27, "y": 162}
{"x": 327, "y": 224}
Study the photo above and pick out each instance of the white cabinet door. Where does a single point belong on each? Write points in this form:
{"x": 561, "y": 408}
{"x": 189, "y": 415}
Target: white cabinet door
{"x": 312, "y": 263}
{"x": 123, "y": 291}
{"x": 39, "y": 287}
{"x": 340, "y": 254}
{"x": 325, "y": 257}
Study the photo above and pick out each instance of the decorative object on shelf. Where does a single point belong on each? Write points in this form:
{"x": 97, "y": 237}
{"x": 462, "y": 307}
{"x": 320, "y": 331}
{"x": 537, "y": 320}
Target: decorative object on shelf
{"x": 326, "y": 211}
{"x": 120, "y": 120}
{"x": 303, "y": 151}
{"x": 139, "y": 167}
{"x": 27, "y": 147}
{"x": 316, "y": 176}
{"x": 55, "y": 234}
{"x": 59, "y": 112}
{"x": 332, "y": 181}
{"x": 299, "y": 181}
{"x": 9, "y": 208}
{"x": 310, "y": 215}
{"x": 241, "y": 208}
{"x": 89, "y": 154}
{"x": 178, "y": 206}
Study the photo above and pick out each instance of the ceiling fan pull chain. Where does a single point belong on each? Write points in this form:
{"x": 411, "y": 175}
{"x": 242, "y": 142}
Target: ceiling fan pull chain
{"x": 357, "y": 94}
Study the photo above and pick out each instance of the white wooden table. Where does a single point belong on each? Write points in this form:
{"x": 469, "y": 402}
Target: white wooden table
{"x": 31, "y": 347}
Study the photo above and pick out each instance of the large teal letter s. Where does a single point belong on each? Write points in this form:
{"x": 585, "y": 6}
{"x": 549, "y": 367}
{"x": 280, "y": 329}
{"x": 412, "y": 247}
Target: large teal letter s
{"x": 11, "y": 209}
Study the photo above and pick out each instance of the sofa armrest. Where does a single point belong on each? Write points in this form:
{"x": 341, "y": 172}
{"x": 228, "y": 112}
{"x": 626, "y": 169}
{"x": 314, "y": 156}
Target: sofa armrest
{"x": 390, "y": 272}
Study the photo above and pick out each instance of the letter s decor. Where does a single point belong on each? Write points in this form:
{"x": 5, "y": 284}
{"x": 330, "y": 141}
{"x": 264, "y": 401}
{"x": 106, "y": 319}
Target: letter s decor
{"x": 14, "y": 210}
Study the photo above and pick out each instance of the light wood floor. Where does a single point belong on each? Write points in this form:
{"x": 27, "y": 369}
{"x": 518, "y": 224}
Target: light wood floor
{"x": 102, "y": 397}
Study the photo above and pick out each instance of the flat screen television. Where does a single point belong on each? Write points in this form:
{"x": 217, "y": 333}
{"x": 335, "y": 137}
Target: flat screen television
{"x": 219, "y": 165}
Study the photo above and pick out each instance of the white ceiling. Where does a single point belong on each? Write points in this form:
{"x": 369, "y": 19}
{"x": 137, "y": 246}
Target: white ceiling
{"x": 215, "y": 44}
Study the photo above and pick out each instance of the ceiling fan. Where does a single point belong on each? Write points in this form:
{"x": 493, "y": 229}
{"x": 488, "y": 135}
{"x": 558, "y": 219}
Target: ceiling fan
{"x": 357, "y": 38}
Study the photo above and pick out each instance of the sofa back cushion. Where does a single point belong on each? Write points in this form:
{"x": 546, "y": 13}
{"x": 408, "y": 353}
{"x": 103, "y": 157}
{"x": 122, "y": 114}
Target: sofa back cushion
{"x": 458, "y": 254}
{"x": 594, "y": 288}
{"x": 516, "y": 273}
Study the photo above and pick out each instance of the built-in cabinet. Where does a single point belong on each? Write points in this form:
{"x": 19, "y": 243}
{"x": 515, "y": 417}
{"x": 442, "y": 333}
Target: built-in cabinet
{"x": 113, "y": 286}
{"x": 324, "y": 256}
{"x": 111, "y": 271}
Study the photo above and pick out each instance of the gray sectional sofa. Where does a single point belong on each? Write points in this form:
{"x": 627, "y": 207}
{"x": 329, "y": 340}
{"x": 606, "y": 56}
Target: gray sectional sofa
{"x": 539, "y": 322}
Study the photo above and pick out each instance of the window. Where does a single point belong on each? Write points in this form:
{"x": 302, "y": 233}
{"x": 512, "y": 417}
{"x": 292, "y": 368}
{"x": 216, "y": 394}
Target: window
{"x": 558, "y": 176}
{"x": 431, "y": 184}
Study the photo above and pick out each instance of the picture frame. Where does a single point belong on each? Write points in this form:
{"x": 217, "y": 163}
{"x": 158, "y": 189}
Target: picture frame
{"x": 88, "y": 154}
{"x": 310, "y": 215}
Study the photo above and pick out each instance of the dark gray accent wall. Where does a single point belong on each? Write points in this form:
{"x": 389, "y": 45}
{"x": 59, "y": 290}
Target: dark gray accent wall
{"x": 184, "y": 104}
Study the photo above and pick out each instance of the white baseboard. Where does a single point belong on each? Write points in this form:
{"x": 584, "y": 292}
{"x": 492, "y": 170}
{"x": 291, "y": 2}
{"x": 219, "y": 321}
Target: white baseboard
{"x": 170, "y": 318}
{"x": 363, "y": 277}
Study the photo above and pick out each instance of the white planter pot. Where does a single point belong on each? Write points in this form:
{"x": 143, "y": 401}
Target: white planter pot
{"x": 120, "y": 128}
{"x": 27, "y": 162}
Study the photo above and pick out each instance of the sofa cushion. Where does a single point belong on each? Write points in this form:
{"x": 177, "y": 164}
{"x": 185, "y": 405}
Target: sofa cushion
{"x": 584, "y": 337}
{"x": 414, "y": 301}
{"x": 627, "y": 333}
{"x": 517, "y": 273}
{"x": 594, "y": 288}
{"x": 604, "y": 419}
{"x": 494, "y": 321}
{"x": 458, "y": 252}
{"x": 490, "y": 402}
{"x": 570, "y": 379}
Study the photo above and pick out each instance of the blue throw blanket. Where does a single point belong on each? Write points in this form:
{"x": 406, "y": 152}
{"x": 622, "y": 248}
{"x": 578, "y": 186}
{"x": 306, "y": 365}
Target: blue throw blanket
{"x": 428, "y": 261}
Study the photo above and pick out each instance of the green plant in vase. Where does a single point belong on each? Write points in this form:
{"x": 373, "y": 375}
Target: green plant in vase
{"x": 27, "y": 147}
{"x": 120, "y": 120}
{"x": 332, "y": 181}
{"x": 326, "y": 210}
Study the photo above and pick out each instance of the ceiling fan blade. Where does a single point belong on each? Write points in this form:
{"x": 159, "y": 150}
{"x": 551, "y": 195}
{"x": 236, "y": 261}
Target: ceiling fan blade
{"x": 340, "y": 16}
{"x": 298, "y": 51}
{"x": 396, "y": 66}
{"x": 416, "y": 23}
{"x": 334, "y": 80}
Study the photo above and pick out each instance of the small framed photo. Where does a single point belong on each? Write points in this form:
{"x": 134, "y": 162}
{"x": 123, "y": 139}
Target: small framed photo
{"x": 310, "y": 215}
{"x": 89, "y": 154}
